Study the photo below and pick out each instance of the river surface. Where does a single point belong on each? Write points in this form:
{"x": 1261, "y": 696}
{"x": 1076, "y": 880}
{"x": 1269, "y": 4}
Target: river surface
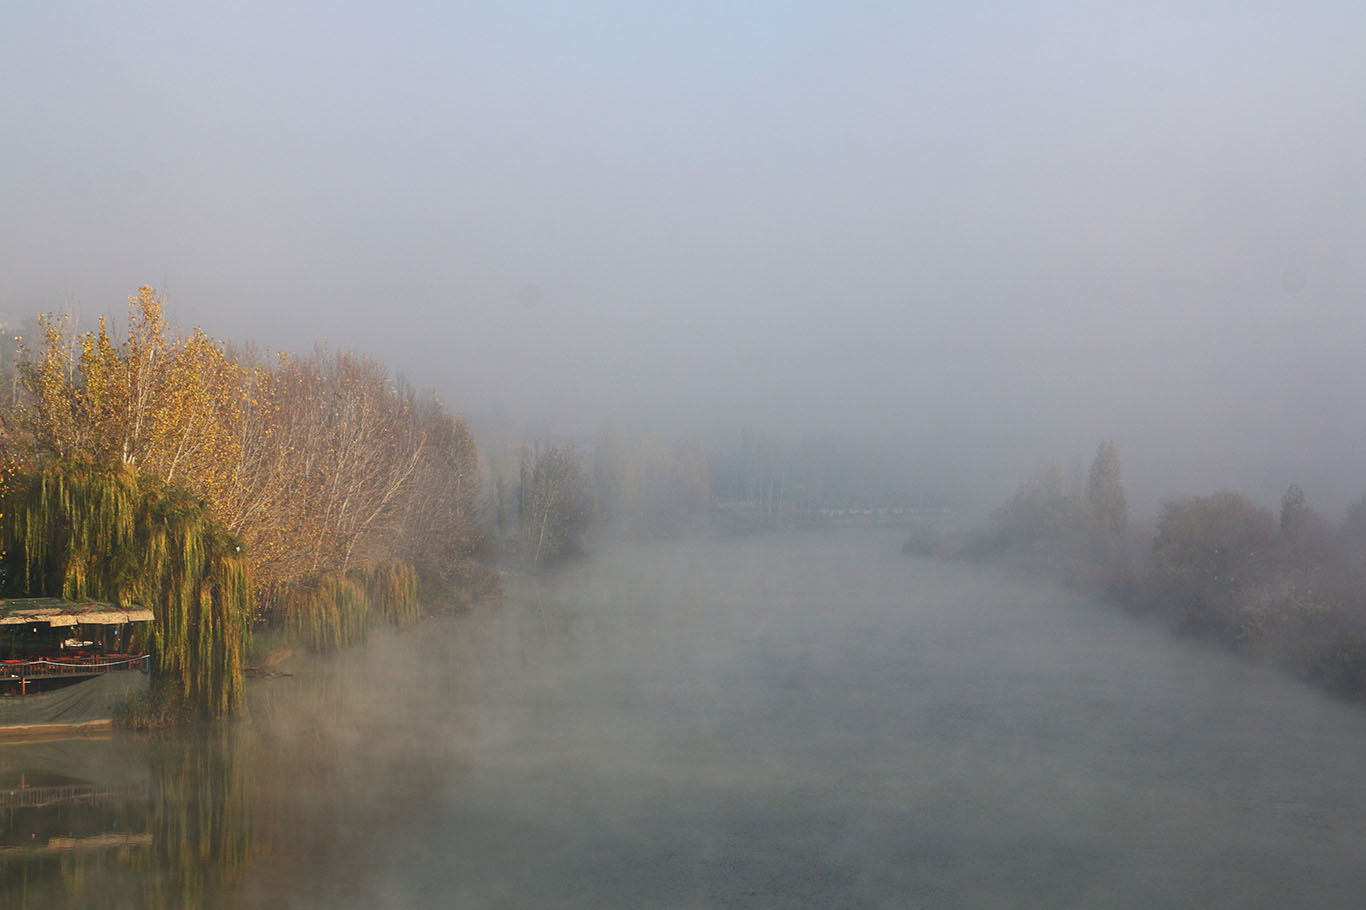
{"x": 800, "y": 720}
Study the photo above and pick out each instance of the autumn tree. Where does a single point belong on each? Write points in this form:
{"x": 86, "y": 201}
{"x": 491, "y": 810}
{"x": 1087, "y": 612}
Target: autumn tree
{"x": 52, "y": 415}
{"x": 171, "y": 407}
{"x": 329, "y": 448}
{"x": 321, "y": 464}
{"x": 343, "y": 468}
{"x": 438, "y": 526}
{"x": 555, "y": 505}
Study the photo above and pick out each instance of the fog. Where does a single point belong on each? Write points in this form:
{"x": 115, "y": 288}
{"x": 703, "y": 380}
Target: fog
{"x": 990, "y": 235}
{"x": 948, "y": 243}
{"x": 799, "y": 719}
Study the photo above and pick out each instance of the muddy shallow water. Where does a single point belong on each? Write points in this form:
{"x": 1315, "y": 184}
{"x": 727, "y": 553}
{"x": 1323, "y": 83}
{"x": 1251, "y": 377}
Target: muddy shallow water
{"x": 779, "y": 721}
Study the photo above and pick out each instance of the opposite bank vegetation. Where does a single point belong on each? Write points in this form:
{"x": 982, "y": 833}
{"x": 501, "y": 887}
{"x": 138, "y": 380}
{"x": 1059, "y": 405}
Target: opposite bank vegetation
{"x": 306, "y": 498}
{"x": 1287, "y": 587}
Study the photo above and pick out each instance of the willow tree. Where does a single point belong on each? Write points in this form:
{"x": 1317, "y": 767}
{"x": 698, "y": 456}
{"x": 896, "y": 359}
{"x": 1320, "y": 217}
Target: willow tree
{"x": 80, "y": 531}
{"x": 392, "y": 591}
{"x": 326, "y": 612}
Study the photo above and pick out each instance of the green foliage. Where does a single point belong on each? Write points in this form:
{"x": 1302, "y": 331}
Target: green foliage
{"x": 72, "y": 531}
{"x": 327, "y": 611}
{"x": 195, "y": 579}
{"x": 268, "y": 646}
{"x": 159, "y": 707}
{"x": 392, "y": 589}
{"x": 200, "y": 821}
{"x": 102, "y": 533}
{"x": 196, "y": 816}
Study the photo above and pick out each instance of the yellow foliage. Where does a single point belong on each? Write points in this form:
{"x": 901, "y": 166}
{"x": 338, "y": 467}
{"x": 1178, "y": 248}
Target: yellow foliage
{"x": 170, "y": 407}
{"x": 319, "y": 463}
{"x": 53, "y": 414}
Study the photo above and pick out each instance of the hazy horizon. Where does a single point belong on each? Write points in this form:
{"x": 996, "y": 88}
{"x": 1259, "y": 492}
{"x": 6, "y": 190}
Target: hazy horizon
{"x": 987, "y": 236}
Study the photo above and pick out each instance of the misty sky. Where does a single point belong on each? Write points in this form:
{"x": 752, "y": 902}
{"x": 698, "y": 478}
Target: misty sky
{"x": 1002, "y": 231}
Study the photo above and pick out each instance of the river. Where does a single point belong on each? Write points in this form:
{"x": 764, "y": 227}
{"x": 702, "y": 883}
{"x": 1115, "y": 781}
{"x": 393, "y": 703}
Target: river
{"x": 791, "y": 720}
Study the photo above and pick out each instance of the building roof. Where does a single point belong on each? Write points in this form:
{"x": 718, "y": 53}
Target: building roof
{"x": 18, "y": 611}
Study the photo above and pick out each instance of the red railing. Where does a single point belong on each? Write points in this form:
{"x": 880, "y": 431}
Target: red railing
{"x": 42, "y": 667}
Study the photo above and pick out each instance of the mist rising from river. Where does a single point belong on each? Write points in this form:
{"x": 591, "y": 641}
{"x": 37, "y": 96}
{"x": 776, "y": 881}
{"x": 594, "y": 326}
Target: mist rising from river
{"x": 789, "y": 720}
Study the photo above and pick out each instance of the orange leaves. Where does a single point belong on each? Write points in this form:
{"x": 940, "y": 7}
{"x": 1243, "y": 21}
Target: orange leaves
{"x": 319, "y": 462}
{"x": 172, "y": 407}
{"x": 341, "y": 467}
{"x": 106, "y": 391}
{"x": 193, "y": 429}
{"x": 51, "y": 414}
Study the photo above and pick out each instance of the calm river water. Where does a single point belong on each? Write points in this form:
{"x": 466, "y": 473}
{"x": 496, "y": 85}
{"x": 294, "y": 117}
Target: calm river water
{"x": 801, "y": 720}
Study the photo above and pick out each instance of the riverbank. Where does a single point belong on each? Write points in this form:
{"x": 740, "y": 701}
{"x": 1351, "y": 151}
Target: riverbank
{"x": 1217, "y": 569}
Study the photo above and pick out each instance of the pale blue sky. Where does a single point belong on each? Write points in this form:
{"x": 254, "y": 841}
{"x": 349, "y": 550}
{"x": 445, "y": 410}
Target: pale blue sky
{"x": 1017, "y": 227}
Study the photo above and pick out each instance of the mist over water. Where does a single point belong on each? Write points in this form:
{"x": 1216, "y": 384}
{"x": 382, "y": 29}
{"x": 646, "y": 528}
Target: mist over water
{"x": 799, "y": 258}
{"x": 803, "y": 719}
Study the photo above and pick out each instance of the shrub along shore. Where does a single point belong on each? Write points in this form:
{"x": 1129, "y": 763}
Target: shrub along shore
{"x": 1289, "y": 588}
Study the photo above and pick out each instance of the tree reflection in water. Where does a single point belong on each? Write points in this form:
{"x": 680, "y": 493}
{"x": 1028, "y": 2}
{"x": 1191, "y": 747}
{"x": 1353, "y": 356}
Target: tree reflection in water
{"x": 285, "y": 806}
{"x": 157, "y": 822}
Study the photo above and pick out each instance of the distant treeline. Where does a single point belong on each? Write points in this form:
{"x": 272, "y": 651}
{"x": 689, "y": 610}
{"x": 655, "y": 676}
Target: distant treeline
{"x": 774, "y": 476}
{"x": 1288, "y": 586}
{"x": 633, "y": 485}
{"x": 310, "y": 494}
{"x": 644, "y": 485}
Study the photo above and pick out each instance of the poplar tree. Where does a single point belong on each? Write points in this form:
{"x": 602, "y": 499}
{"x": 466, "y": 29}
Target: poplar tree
{"x": 1106, "y": 506}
